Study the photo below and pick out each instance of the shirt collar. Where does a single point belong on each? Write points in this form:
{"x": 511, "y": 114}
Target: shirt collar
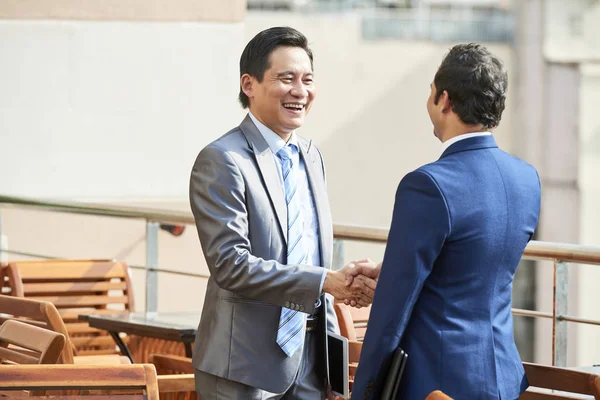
{"x": 274, "y": 141}
{"x": 464, "y": 136}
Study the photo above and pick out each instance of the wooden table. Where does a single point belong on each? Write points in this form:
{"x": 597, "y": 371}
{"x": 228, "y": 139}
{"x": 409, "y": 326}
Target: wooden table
{"x": 179, "y": 327}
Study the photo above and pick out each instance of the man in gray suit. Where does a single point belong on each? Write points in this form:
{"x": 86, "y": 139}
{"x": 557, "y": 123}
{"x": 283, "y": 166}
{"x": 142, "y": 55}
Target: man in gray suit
{"x": 259, "y": 199}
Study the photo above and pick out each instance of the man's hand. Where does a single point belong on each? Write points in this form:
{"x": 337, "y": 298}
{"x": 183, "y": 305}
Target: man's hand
{"x": 362, "y": 268}
{"x": 360, "y": 291}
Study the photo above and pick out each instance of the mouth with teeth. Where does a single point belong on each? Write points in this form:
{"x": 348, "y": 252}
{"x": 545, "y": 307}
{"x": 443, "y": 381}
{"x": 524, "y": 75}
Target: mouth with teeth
{"x": 295, "y": 108}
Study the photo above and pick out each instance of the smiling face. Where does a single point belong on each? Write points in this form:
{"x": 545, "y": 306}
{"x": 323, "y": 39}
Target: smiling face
{"x": 284, "y": 96}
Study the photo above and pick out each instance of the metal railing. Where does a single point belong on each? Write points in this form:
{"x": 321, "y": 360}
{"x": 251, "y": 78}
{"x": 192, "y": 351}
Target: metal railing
{"x": 559, "y": 253}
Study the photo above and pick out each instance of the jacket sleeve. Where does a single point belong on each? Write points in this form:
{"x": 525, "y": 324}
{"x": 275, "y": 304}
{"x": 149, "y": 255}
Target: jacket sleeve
{"x": 420, "y": 226}
{"x": 217, "y": 198}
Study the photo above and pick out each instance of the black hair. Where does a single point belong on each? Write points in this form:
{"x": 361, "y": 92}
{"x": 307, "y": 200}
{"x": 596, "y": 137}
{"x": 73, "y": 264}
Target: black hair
{"x": 476, "y": 83}
{"x": 255, "y": 59}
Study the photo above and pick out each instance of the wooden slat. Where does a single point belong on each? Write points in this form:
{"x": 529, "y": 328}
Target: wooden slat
{"x": 96, "y": 397}
{"x": 93, "y": 341}
{"x": 17, "y": 357}
{"x": 74, "y": 314}
{"x": 80, "y": 327}
{"x": 545, "y": 376}
{"x": 62, "y": 287}
{"x": 72, "y": 376}
{"x": 176, "y": 383}
{"x": 75, "y": 271}
{"x": 97, "y": 352}
{"x": 171, "y": 364}
{"x": 105, "y": 359}
{"x": 82, "y": 301}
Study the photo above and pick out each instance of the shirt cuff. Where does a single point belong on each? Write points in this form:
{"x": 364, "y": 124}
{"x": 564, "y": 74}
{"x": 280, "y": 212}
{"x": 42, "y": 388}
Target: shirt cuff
{"x": 322, "y": 280}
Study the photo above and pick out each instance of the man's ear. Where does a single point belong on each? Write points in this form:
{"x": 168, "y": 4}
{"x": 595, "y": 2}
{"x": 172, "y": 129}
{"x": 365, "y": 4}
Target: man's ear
{"x": 247, "y": 85}
{"x": 445, "y": 102}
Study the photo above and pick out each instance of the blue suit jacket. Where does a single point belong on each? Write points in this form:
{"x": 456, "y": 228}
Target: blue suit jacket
{"x": 458, "y": 232}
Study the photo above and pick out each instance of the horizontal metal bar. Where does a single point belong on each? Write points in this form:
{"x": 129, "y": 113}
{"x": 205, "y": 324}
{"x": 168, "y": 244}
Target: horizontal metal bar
{"x": 564, "y": 252}
{"x": 531, "y": 313}
{"x": 578, "y": 320}
{"x": 26, "y": 254}
{"x": 171, "y": 271}
{"x": 362, "y": 233}
{"x": 535, "y": 250}
{"x": 151, "y": 214}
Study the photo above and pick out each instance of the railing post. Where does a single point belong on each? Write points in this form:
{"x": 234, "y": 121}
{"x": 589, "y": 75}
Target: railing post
{"x": 560, "y": 309}
{"x": 151, "y": 265}
{"x": 338, "y": 254}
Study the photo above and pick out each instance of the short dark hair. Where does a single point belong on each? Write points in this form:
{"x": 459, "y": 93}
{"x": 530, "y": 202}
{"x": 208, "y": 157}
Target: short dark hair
{"x": 476, "y": 83}
{"x": 256, "y": 56}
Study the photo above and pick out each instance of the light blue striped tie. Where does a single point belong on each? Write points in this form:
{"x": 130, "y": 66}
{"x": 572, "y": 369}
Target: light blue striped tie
{"x": 290, "y": 334}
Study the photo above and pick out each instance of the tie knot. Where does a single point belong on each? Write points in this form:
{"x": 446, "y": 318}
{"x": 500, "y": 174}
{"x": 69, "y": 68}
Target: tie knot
{"x": 286, "y": 152}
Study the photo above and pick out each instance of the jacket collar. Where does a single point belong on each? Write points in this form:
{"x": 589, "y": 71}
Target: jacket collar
{"x": 475, "y": 143}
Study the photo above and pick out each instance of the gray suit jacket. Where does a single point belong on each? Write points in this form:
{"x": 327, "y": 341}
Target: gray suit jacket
{"x": 240, "y": 212}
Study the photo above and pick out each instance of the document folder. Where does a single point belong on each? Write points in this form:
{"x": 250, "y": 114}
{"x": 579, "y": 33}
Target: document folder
{"x": 392, "y": 382}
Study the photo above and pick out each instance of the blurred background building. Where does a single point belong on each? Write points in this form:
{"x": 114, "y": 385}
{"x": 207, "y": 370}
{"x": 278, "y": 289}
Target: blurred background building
{"x": 110, "y": 102}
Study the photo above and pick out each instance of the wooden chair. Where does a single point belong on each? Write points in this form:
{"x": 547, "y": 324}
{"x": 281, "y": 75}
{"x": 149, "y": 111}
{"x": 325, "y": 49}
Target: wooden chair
{"x": 561, "y": 379}
{"x": 86, "y": 286}
{"x": 352, "y": 321}
{"x": 45, "y": 315}
{"x": 175, "y": 377}
{"x": 131, "y": 382}
{"x": 354, "y": 348}
{"x": 76, "y": 287}
{"x": 39, "y": 313}
{"x": 438, "y": 395}
{"x": 353, "y": 325}
{"x": 40, "y": 346}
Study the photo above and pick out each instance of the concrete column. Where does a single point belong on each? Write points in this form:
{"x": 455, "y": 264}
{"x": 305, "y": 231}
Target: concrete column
{"x": 547, "y": 135}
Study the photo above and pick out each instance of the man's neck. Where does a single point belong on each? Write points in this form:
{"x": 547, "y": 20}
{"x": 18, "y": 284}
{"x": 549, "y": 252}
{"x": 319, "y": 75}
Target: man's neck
{"x": 285, "y": 136}
{"x": 463, "y": 131}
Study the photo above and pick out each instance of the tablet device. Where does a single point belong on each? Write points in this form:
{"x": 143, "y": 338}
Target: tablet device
{"x": 337, "y": 364}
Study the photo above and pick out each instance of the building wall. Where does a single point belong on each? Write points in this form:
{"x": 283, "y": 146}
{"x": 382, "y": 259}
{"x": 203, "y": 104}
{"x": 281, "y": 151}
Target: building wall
{"x": 116, "y": 110}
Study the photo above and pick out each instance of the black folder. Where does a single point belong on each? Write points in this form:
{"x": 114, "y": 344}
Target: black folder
{"x": 392, "y": 382}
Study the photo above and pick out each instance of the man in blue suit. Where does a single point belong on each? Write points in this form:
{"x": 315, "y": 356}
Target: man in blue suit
{"x": 459, "y": 228}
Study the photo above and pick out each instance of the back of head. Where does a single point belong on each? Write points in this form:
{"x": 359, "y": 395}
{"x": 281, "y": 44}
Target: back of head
{"x": 476, "y": 82}
{"x": 255, "y": 57}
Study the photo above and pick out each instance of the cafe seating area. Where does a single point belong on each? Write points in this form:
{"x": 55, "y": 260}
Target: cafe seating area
{"x": 70, "y": 328}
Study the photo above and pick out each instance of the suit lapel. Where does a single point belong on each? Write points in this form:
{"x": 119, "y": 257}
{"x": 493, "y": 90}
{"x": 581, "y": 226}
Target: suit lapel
{"x": 314, "y": 171}
{"x": 268, "y": 169}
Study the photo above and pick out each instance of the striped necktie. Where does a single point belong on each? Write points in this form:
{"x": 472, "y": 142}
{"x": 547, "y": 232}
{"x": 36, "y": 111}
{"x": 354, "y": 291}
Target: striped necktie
{"x": 290, "y": 334}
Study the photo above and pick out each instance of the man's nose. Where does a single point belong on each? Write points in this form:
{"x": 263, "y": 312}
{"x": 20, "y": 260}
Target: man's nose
{"x": 299, "y": 90}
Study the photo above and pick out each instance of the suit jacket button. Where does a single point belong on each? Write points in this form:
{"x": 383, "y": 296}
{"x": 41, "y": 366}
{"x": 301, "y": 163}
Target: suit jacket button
{"x": 287, "y": 304}
{"x": 301, "y": 308}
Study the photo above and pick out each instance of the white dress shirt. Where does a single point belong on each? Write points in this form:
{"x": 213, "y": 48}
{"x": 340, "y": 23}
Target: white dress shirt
{"x": 464, "y": 136}
{"x": 309, "y": 210}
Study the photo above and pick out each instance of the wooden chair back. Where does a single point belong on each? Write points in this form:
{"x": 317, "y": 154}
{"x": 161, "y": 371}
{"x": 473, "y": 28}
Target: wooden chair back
{"x": 354, "y": 348}
{"x": 352, "y": 321}
{"x": 175, "y": 377}
{"x": 40, "y": 345}
{"x": 76, "y": 287}
{"x": 438, "y": 395}
{"x": 119, "y": 382}
{"x": 39, "y": 313}
{"x": 561, "y": 379}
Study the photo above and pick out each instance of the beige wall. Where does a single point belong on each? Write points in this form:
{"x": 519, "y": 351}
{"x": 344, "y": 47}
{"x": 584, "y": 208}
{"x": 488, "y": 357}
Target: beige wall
{"x": 120, "y": 111}
{"x": 125, "y": 10}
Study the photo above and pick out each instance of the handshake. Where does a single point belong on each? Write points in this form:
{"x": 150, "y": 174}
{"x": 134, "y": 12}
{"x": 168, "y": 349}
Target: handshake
{"x": 355, "y": 283}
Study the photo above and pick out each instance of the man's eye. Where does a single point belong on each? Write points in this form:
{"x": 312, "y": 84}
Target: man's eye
{"x": 308, "y": 81}
{"x": 286, "y": 80}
